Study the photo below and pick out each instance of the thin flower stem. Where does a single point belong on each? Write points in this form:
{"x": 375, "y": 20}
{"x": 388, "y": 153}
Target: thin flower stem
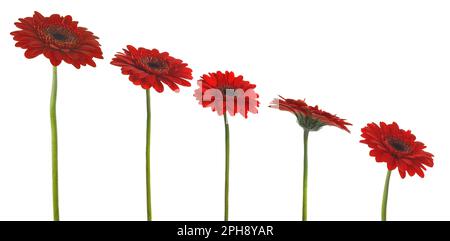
{"x": 385, "y": 196}
{"x": 54, "y": 144}
{"x": 227, "y": 163}
{"x": 305, "y": 175}
{"x": 147, "y": 155}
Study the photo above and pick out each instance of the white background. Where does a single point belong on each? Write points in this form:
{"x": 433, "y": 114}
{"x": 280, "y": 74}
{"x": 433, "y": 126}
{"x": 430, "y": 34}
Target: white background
{"x": 363, "y": 60}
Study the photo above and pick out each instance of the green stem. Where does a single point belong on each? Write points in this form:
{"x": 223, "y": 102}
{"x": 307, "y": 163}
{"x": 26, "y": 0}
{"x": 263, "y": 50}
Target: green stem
{"x": 305, "y": 175}
{"x": 147, "y": 159}
{"x": 227, "y": 163}
{"x": 385, "y": 196}
{"x": 54, "y": 144}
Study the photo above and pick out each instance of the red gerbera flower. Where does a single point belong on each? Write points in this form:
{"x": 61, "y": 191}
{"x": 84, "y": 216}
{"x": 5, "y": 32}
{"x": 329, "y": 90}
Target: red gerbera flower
{"x": 309, "y": 117}
{"x": 226, "y": 92}
{"x": 58, "y": 38}
{"x": 150, "y": 68}
{"x": 397, "y": 147}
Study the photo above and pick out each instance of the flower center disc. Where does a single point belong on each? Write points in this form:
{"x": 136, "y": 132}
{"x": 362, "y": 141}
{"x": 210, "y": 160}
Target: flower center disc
{"x": 59, "y": 36}
{"x": 398, "y": 145}
{"x": 157, "y": 65}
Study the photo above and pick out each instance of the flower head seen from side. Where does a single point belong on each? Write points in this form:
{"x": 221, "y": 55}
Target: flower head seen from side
{"x": 58, "y": 38}
{"x": 397, "y": 147}
{"x": 151, "y": 68}
{"x": 310, "y": 118}
{"x": 225, "y": 92}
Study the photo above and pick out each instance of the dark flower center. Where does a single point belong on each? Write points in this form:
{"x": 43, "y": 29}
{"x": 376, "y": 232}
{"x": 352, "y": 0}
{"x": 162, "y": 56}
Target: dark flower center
{"x": 156, "y": 65}
{"x": 59, "y": 36}
{"x": 398, "y": 145}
